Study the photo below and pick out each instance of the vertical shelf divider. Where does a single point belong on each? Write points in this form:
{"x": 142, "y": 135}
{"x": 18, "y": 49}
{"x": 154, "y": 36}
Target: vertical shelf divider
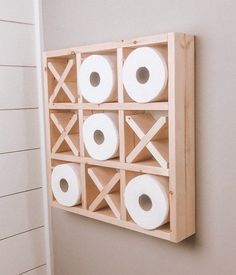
{"x": 120, "y": 91}
{"x": 181, "y": 135}
{"x": 81, "y": 143}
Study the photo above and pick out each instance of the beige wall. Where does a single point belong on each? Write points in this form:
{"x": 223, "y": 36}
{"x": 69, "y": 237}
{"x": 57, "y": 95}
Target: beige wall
{"x": 87, "y": 247}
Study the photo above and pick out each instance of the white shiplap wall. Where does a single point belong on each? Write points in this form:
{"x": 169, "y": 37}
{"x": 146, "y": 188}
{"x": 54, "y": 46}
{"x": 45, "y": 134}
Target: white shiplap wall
{"x": 22, "y": 232}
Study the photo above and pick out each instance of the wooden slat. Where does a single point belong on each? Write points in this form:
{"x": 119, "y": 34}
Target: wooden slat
{"x": 159, "y": 39}
{"x": 22, "y": 252}
{"x": 147, "y": 166}
{"x": 17, "y": 45}
{"x": 161, "y": 106}
{"x": 181, "y": 92}
{"x": 18, "y": 88}
{"x": 19, "y": 11}
{"x": 47, "y": 83}
{"x": 19, "y": 130}
{"x": 190, "y": 136}
{"x": 20, "y": 171}
{"x": 21, "y": 212}
{"x": 123, "y": 211}
{"x": 42, "y": 270}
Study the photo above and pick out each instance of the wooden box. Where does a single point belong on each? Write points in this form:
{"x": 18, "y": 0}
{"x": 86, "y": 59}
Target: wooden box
{"x": 65, "y": 109}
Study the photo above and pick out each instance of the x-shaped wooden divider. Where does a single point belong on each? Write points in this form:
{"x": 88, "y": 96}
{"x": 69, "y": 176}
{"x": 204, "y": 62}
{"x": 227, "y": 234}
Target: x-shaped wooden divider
{"x": 61, "y": 81}
{"x": 146, "y": 128}
{"x": 106, "y": 181}
{"x": 64, "y": 123}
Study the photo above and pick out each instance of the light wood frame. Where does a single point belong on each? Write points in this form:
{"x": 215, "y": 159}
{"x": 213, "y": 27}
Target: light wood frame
{"x": 180, "y": 166}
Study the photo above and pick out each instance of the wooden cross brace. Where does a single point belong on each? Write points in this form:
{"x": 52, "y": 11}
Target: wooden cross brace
{"x": 146, "y": 128}
{"x": 64, "y": 129}
{"x": 106, "y": 181}
{"x": 61, "y": 81}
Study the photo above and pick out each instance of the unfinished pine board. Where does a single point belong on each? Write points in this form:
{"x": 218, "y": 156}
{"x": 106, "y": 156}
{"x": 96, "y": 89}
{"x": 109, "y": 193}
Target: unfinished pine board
{"x": 17, "y": 11}
{"x": 162, "y": 106}
{"x": 155, "y": 138}
{"x": 27, "y": 172}
{"x": 17, "y": 88}
{"x": 181, "y": 135}
{"x": 17, "y": 44}
{"x": 26, "y": 249}
{"x": 21, "y": 212}
{"x": 21, "y": 130}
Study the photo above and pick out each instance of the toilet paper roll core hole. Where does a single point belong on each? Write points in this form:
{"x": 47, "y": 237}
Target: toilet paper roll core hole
{"x": 145, "y": 202}
{"x": 94, "y": 79}
{"x": 98, "y": 137}
{"x": 64, "y": 185}
{"x": 142, "y": 75}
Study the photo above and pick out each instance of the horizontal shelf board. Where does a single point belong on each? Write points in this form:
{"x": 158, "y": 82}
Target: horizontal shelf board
{"x": 162, "y": 232}
{"x": 139, "y": 41}
{"x": 158, "y": 106}
{"x": 142, "y": 167}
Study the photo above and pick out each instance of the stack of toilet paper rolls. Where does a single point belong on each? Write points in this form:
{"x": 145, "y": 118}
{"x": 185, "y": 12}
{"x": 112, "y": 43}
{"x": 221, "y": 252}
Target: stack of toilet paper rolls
{"x": 145, "y": 80}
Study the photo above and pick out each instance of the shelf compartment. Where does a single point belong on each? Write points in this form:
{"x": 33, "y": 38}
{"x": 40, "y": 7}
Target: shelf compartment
{"x": 147, "y": 166}
{"x": 62, "y": 84}
{"x": 152, "y": 140}
{"x": 95, "y": 79}
{"x": 107, "y": 182}
{"x": 142, "y": 74}
{"x": 64, "y": 132}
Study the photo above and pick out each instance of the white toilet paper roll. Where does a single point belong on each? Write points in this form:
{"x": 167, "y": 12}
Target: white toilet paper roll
{"x": 101, "y": 137}
{"x": 145, "y": 75}
{"x": 66, "y": 184}
{"x": 97, "y": 79}
{"x": 146, "y": 199}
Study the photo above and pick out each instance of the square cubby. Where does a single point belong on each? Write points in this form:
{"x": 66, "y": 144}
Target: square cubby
{"x": 97, "y": 77}
{"x": 66, "y": 184}
{"x": 146, "y": 200}
{"x": 62, "y": 79}
{"x": 100, "y": 133}
{"x": 146, "y": 138}
{"x": 64, "y": 132}
{"x": 103, "y": 190}
{"x": 145, "y": 73}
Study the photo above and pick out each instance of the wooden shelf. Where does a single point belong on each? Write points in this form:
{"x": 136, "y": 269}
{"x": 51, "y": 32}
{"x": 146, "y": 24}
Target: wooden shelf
{"x": 160, "y": 106}
{"x": 147, "y": 166}
{"x": 144, "y": 146}
{"x": 160, "y": 39}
